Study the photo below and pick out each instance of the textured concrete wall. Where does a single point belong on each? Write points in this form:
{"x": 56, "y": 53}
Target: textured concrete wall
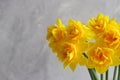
{"x": 24, "y": 52}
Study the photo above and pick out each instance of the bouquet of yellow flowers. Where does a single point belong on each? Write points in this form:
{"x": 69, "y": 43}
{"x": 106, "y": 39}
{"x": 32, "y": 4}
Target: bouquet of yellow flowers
{"x": 95, "y": 45}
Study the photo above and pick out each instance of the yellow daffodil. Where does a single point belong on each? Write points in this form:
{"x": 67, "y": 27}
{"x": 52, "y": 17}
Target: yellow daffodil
{"x": 112, "y": 39}
{"x": 55, "y": 35}
{"x": 100, "y": 58}
{"x": 68, "y": 55}
{"x": 99, "y": 23}
{"x": 75, "y": 29}
{"x": 109, "y": 38}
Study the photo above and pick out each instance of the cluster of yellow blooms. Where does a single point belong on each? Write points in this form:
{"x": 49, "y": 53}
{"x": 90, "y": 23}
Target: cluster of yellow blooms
{"x": 94, "y": 45}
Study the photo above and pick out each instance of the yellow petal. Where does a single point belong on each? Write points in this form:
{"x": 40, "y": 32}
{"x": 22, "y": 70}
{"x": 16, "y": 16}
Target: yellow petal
{"x": 73, "y": 66}
{"x": 102, "y": 69}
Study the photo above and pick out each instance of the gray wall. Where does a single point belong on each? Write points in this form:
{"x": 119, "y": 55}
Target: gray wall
{"x": 24, "y": 51}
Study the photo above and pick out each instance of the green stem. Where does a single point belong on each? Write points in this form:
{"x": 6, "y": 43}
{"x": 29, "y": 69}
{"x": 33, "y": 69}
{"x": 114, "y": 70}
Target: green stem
{"x": 119, "y": 72}
{"x": 115, "y": 72}
{"x": 101, "y": 76}
{"x": 93, "y": 74}
{"x": 107, "y": 75}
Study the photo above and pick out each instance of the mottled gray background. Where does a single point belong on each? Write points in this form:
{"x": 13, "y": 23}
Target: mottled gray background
{"x": 24, "y": 51}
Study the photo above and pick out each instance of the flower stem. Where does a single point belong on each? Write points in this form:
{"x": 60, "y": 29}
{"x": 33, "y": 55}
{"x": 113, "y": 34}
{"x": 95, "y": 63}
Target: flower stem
{"x": 93, "y": 74}
{"x": 119, "y": 72}
{"x": 101, "y": 76}
{"x": 115, "y": 72}
{"x": 107, "y": 75}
